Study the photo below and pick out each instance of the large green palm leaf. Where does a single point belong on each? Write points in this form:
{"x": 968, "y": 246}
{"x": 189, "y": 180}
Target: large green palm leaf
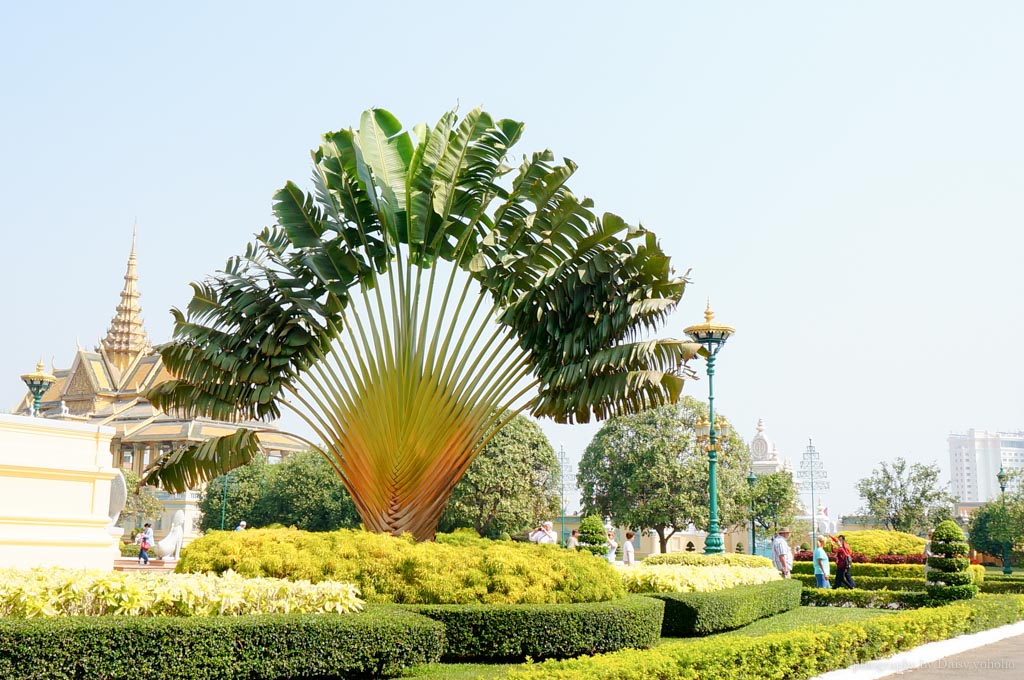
{"x": 417, "y": 292}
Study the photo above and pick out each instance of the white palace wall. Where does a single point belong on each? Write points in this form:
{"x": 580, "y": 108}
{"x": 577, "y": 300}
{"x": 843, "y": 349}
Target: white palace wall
{"x": 55, "y": 479}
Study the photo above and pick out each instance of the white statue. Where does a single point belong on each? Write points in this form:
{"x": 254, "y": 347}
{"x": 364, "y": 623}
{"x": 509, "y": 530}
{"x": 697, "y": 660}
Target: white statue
{"x": 118, "y": 498}
{"x": 169, "y": 549}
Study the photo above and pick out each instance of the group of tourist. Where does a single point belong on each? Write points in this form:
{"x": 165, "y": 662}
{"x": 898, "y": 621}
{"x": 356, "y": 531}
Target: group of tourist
{"x": 782, "y": 558}
{"x": 545, "y": 533}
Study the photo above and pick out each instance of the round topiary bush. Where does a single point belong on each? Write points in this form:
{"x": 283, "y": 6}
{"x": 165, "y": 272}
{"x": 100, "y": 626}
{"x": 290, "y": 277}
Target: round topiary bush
{"x": 390, "y": 569}
{"x": 946, "y": 570}
{"x": 593, "y": 536}
{"x": 874, "y": 542}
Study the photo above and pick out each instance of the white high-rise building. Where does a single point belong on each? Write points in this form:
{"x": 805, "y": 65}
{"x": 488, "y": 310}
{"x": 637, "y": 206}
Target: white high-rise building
{"x": 975, "y": 459}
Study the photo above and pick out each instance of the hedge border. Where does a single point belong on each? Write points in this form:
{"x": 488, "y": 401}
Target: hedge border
{"x": 697, "y": 614}
{"x": 872, "y": 582}
{"x": 1007, "y": 587}
{"x": 510, "y": 632}
{"x": 865, "y": 599}
{"x": 802, "y": 653}
{"x": 381, "y": 641}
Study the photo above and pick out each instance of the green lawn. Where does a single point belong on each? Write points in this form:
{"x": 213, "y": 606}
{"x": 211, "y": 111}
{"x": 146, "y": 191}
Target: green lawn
{"x": 1018, "y": 572}
{"x": 460, "y": 671}
{"x": 798, "y": 618}
{"x": 806, "y": 617}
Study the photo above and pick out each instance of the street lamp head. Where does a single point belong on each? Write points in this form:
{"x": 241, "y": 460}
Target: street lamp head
{"x": 710, "y": 334}
{"x": 702, "y": 428}
{"x": 751, "y": 479}
{"x": 1002, "y": 477}
{"x": 722, "y": 426}
{"x": 38, "y": 383}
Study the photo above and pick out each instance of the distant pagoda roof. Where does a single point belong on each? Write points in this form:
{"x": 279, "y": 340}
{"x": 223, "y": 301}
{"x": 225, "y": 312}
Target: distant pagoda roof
{"x": 126, "y": 338}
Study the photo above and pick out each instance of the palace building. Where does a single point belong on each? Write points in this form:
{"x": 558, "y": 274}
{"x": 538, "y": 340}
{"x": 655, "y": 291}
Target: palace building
{"x": 108, "y": 386}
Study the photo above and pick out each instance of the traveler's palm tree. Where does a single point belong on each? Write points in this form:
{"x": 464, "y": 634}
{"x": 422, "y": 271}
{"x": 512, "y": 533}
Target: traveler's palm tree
{"x": 414, "y": 303}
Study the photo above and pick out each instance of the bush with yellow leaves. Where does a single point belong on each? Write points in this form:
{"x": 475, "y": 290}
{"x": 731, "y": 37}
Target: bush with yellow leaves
{"x": 390, "y": 569}
{"x": 684, "y": 578}
{"x": 74, "y": 592}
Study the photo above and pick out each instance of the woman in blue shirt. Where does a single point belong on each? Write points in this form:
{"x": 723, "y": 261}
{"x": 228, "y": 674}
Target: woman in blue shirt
{"x": 821, "y": 568}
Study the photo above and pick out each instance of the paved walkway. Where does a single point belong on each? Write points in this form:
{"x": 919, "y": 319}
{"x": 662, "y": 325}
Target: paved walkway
{"x": 997, "y": 661}
{"x": 996, "y": 654}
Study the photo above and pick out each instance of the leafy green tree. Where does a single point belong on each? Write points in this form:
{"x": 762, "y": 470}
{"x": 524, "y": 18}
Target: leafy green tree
{"x": 648, "y": 471}
{"x": 304, "y": 491}
{"x": 141, "y": 505}
{"x": 774, "y": 501}
{"x": 511, "y": 485}
{"x": 242, "y": 487}
{"x": 906, "y": 497}
{"x": 997, "y": 524}
{"x": 422, "y": 295}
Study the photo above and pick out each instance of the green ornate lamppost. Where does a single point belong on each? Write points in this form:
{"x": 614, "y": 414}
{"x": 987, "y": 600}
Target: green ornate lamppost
{"x": 1002, "y": 477}
{"x": 38, "y": 382}
{"x": 751, "y": 480}
{"x": 712, "y": 336}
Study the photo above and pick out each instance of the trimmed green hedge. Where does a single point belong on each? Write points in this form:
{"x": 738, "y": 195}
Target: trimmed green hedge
{"x": 793, "y": 655}
{"x": 1007, "y": 586}
{"x": 873, "y": 583}
{"x": 694, "y": 614}
{"x": 379, "y": 641}
{"x": 514, "y": 632}
{"x": 869, "y": 569}
{"x": 857, "y": 597}
{"x": 699, "y": 560}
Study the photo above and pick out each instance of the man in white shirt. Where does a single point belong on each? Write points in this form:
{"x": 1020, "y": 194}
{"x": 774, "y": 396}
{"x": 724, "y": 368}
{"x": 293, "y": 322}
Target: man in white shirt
{"x": 545, "y": 533}
{"x": 782, "y": 555}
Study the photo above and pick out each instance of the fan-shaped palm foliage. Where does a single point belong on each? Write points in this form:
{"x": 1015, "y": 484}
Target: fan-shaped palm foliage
{"x": 423, "y": 288}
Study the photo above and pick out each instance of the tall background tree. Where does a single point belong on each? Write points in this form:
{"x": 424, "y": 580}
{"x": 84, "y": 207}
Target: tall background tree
{"x": 774, "y": 501}
{"x": 303, "y": 491}
{"x": 511, "y": 485}
{"x": 906, "y": 497}
{"x": 1000, "y": 523}
{"x": 142, "y": 505}
{"x": 648, "y": 471}
{"x": 419, "y": 297}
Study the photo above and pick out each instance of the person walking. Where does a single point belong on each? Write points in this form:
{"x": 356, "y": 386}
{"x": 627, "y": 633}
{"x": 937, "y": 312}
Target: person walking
{"x": 574, "y": 540}
{"x": 241, "y": 526}
{"x": 844, "y": 561}
{"x": 146, "y": 543}
{"x": 821, "y": 568}
{"x": 782, "y": 554}
{"x": 628, "y": 551}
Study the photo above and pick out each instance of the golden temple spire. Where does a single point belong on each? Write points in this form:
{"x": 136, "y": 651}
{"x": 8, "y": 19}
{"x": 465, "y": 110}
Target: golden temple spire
{"x": 126, "y": 337}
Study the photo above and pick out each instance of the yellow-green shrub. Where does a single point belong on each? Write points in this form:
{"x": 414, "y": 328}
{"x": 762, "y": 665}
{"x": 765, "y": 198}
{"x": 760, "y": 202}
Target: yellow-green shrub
{"x": 684, "y": 578}
{"x": 697, "y": 560}
{"x": 390, "y": 569}
{"x": 873, "y": 542}
{"x": 76, "y": 592}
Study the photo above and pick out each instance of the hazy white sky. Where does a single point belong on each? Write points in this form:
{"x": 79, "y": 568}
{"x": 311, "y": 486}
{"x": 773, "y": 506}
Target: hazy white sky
{"x": 845, "y": 179}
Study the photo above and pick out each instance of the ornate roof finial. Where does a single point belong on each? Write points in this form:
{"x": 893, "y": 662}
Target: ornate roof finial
{"x": 760, "y": 425}
{"x": 126, "y": 337}
{"x": 708, "y": 314}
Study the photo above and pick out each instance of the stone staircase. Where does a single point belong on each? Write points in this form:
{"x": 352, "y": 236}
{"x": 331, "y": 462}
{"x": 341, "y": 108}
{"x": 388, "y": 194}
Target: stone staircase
{"x": 132, "y": 564}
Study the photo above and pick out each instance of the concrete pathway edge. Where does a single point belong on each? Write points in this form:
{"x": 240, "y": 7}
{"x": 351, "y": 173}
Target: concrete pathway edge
{"x": 926, "y": 653}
